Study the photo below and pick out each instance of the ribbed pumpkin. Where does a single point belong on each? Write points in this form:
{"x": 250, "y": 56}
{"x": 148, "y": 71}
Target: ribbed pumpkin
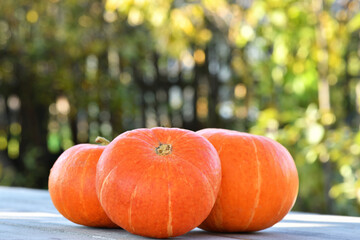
{"x": 259, "y": 182}
{"x": 72, "y": 186}
{"x": 159, "y": 182}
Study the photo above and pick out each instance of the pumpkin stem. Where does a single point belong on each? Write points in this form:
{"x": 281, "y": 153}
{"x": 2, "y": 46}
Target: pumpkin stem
{"x": 163, "y": 149}
{"x": 102, "y": 140}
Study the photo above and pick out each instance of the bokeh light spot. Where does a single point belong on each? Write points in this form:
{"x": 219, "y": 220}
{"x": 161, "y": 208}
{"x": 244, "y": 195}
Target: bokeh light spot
{"x": 63, "y": 105}
{"x": 32, "y": 16}
{"x": 199, "y": 56}
{"x": 240, "y": 90}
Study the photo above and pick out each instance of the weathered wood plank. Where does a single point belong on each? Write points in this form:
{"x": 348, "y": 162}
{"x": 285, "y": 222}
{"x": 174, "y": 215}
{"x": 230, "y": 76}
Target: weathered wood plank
{"x": 30, "y": 214}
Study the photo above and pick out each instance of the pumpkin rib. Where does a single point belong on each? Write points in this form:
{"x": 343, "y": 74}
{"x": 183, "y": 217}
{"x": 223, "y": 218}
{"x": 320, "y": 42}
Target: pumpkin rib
{"x": 273, "y": 148}
{"x": 133, "y": 195}
{"x": 148, "y": 153}
{"x": 169, "y": 225}
{"x": 152, "y": 134}
{"x": 82, "y": 179}
{"x": 216, "y": 218}
{"x": 259, "y": 180}
{"x": 64, "y": 170}
{"x": 209, "y": 138}
{"x": 139, "y": 135}
{"x": 183, "y": 173}
{"x": 218, "y": 222}
{"x": 60, "y": 189}
{"x": 202, "y": 173}
{"x": 269, "y": 150}
{"x": 118, "y": 163}
{"x": 282, "y": 152}
{"x": 179, "y": 167}
{"x": 221, "y": 148}
{"x": 105, "y": 181}
{"x": 287, "y": 153}
{"x": 195, "y": 167}
{"x": 286, "y": 176}
{"x": 284, "y": 200}
{"x": 213, "y": 196}
{"x": 141, "y": 140}
{"x": 181, "y": 136}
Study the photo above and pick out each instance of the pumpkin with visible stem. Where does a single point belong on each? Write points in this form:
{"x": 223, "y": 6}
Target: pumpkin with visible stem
{"x": 259, "y": 182}
{"x": 72, "y": 185}
{"x": 159, "y": 182}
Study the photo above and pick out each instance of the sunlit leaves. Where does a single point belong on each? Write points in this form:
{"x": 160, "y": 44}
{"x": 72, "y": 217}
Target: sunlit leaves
{"x": 354, "y": 23}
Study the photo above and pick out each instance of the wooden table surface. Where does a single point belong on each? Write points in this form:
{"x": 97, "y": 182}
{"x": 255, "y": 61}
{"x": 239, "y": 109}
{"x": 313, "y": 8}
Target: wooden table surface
{"x": 30, "y": 214}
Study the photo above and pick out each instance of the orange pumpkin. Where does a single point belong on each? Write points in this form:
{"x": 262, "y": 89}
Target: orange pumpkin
{"x": 72, "y": 186}
{"x": 159, "y": 182}
{"x": 259, "y": 182}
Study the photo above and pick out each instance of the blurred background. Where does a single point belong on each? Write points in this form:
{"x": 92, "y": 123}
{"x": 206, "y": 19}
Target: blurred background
{"x": 71, "y": 70}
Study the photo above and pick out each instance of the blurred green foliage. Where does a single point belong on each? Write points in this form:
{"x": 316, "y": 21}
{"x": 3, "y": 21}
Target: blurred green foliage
{"x": 289, "y": 70}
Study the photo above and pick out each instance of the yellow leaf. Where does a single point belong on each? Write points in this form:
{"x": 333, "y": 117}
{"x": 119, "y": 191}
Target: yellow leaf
{"x": 354, "y": 23}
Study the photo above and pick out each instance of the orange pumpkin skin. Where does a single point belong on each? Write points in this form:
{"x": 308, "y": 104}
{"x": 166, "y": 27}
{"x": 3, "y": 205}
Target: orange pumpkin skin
{"x": 72, "y": 186}
{"x": 259, "y": 182}
{"x": 159, "y": 182}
